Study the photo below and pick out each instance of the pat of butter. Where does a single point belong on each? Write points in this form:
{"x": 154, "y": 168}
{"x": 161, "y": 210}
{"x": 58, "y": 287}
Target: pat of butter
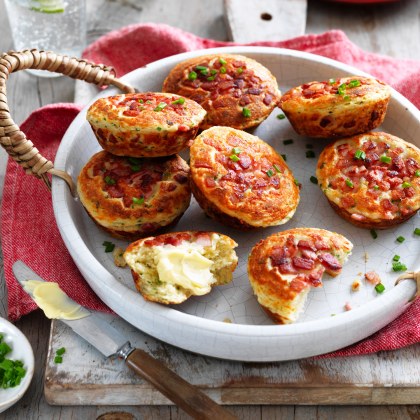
{"x": 184, "y": 266}
{"x": 53, "y": 301}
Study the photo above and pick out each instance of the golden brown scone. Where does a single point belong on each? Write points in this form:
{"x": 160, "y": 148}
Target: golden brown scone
{"x": 336, "y": 108}
{"x": 240, "y": 180}
{"x": 145, "y": 124}
{"x": 236, "y": 91}
{"x": 372, "y": 180}
{"x": 283, "y": 267}
{"x": 130, "y": 197}
{"x": 172, "y": 267}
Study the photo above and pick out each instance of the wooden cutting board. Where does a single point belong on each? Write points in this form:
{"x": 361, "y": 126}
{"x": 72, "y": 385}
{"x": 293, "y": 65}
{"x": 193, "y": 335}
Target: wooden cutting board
{"x": 85, "y": 377}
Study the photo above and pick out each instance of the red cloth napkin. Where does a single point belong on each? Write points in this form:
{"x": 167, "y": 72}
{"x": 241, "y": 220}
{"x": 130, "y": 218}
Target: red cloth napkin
{"x": 27, "y": 203}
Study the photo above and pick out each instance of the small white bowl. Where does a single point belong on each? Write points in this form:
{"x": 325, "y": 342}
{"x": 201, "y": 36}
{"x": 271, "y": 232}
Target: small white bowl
{"x": 21, "y": 350}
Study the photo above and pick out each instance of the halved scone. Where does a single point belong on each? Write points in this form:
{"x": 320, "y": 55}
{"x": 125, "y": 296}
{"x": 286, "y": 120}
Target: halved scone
{"x": 236, "y": 91}
{"x": 337, "y": 107}
{"x": 131, "y": 197}
{"x": 146, "y": 124}
{"x": 284, "y": 267}
{"x": 172, "y": 267}
{"x": 240, "y": 180}
{"x": 372, "y": 180}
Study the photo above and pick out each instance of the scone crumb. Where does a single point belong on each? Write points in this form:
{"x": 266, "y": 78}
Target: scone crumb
{"x": 366, "y": 256}
{"x": 227, "y": 320}
{"x": 355, "y": 287}
{"x": 119, "y": 260}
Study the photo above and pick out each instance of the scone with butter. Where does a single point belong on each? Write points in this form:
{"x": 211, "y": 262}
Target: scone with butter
{"x": 170, "y": 268}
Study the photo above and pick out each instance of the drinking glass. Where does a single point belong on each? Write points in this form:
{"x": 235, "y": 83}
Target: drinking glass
{"x": 50, "y": 25}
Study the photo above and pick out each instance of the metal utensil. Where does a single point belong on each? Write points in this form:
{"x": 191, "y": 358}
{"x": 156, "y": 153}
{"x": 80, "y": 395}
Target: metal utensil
{"x": 110, "y": 342}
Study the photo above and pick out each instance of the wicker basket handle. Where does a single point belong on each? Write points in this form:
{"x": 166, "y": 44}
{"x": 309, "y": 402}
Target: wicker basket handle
{"x": 12, "y": 139}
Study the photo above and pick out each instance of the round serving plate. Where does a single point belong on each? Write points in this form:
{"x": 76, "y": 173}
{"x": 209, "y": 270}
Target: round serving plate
{"x": 228, "y": 322}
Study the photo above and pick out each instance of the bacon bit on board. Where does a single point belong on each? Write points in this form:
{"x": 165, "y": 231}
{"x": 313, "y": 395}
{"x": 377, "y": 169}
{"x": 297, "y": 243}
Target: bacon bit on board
{"x": 347, "y": 306}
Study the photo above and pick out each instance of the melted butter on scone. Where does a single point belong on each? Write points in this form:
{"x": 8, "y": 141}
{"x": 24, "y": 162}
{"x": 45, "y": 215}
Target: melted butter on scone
{"x": 53, "y": 301}
{"x": 185, "y": 266}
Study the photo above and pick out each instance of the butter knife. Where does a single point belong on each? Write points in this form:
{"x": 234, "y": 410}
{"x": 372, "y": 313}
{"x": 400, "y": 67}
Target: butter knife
{"x": 104, "y": 337}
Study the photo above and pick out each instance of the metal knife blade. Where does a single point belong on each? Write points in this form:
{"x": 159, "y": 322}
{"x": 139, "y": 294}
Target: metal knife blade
{"x": 94, "y": 329}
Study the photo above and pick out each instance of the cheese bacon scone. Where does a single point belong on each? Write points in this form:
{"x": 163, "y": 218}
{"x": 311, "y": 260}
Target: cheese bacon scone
{"x": 240, "y": 180}
{"x": 172, "y": 267}
{"x": 130, "y": 197}
{"x": 372, "y": 180}
{"x": 145, "y": 124}
{"x": 285, "y": 266}
{"x": 337, "y": 107}
{"x": 236, "y": 91}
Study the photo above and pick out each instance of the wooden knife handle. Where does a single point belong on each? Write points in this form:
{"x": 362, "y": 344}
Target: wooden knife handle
{"x": 182, "y": 393}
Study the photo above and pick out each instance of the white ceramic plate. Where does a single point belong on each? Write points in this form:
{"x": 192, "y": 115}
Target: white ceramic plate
{"x": 228, "y": 323}
{"x": 21, "y": 350}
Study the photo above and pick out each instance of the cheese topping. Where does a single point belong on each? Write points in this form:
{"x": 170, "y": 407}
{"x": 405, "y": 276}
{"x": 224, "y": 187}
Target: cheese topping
{"x": 53, "y": 301}
{"x": 184, "y": 266}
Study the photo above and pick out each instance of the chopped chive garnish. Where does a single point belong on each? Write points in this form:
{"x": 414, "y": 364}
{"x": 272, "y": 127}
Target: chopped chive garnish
{"x": 284, "y": 157}
{"x": 179, "y": 101}
{"x": 223, "y": 70}
{"x": 222, "y": 61}
{"x": 200, "y": 68}
{"x": 396, "y": 258}
{"x": 213, "y": 72}
{"x": 385, "y": 159}
{"x": 341, "y": 89}
{"x": 246, "y": 112}
{"x": 58, "y": 359}
{"x": 139, "y": 200}
{"x": 417, "y": 173}
{"x": 148, "y": 101}
{"x": 135, "y": 168}
{"x": 416, "y": 231}
{"x": 276, "y": 168}
{"x": 270, "y": 173}
{"x": 109, "y": 246}
{"x": 192, "y": 75}
{"x": 375, "y": 187}
{"x": 309, "y": 146}
{"x": 60, "y": 351}
{"x": 296, "y": 182}
{"x": 288, "y": 141}
{"x": 380, "y": 288}
{"x": 234, "y": 158}
{"x": 331, "y": 81}
{"x": 281, "y": 117}
{"x": 406, "y": 185}
{"x": 141, "y": 101}
{"x": 346, "y": 98}
{"x": 160, "y": 106}
{"x": 354, "y": 83}
{"x": 109, "y": 180}
{"x": 310, "y": 154}
{"x": 373, "y": 233}
{"x": 236, "y": 150}
{"x": 134, "y": 161}
{"x": 400, "y": 239}
{"x": 360, "y": 154}
{"x": 11, "y": 371}
{"x": 349, "y": 183}
{"x": 398, "y": 266}
{"x": 314, "y": 180}
{"x": 240, "y": 70}
{"x": 211, "y": 78}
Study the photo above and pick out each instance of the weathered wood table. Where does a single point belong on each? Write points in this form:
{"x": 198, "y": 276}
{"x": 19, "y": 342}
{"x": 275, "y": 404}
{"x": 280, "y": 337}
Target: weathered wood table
{"x": 347, "y": 388}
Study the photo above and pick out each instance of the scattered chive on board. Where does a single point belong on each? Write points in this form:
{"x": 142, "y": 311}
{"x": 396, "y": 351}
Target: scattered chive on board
{"x": 373, "y": 233}
{"x": 314, "y": 180}
{"x": 281, "y": 116}
{"x": 380, "y": 288}
{"x": 400, "y": 239}
{"x": 417, "y": 231}
{"x": 310, "y": 154}
{"x": 288, "y": 141}
{"x": 398, "y": 266}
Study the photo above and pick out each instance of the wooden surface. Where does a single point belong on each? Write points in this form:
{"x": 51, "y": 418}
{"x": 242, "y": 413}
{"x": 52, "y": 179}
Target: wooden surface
{"x": 388, "y": 29}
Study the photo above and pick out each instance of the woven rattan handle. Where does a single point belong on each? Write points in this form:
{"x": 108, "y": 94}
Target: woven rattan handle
{"x": 12, "y": 138}
{"x": 411, "y": 275}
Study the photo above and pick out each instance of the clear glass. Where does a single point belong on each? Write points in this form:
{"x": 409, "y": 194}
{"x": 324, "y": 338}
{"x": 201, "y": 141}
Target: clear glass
{"x": 50, "y": 25}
